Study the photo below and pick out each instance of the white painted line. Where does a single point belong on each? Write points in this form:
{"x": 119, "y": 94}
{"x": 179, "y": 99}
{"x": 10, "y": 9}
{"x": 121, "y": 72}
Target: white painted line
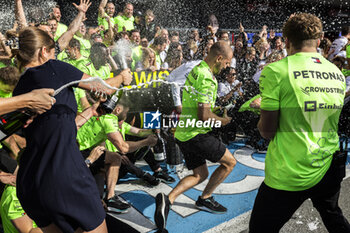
{"x": 244, "y": 156}
{"x": 235, "y": 225}
{"x": 184, "y": 206}
{"x": 249, "y": 183}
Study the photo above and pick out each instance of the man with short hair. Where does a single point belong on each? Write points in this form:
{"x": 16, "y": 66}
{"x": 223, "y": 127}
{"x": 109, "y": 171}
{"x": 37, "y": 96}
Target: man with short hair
{"x": 106, "y": 9}
{"x": 85, "y": 44}
{"x": 224, "y": 35}
{"x": 196, "y": 143}
{"x": 97, "y": 64}
{"x": 61, "y": 28}
{"x": 96, "y": 131}
{"x": 339, "y": 43}
{"x": 303, "y": 158}
{"x": 136, "y": 54}
{"x": 126, "y": 20}
{"x": 159, "y": 45}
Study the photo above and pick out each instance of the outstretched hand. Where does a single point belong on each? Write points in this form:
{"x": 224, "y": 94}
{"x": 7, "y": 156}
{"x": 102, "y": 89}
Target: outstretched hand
{"x": 83, "y": 6}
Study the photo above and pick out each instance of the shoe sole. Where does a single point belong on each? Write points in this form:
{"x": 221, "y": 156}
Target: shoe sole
{"x": 159, "y": 216}
{"x": 118, "y": 211}
{"x": 204, "y": 208}
{"x": 165, "y": 181}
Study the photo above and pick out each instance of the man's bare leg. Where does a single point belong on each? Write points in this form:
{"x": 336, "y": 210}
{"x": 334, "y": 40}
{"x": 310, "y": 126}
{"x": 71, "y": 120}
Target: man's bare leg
{"x": 113, "y": 160}
{"x": 199, "y": 175}
{"x": 227, "y": 163}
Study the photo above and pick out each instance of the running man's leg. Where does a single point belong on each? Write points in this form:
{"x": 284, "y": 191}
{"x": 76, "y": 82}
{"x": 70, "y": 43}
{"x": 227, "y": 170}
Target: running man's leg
{"x": 199, "y": 175}
{"x": 273, "y": 208}
{"x": 227, "y": 163}
{"x": 164, "y": 202}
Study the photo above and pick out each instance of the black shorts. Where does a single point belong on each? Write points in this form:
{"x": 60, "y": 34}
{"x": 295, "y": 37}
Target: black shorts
{"x": 99, "y": 164}
{"x": 200, "y": 148}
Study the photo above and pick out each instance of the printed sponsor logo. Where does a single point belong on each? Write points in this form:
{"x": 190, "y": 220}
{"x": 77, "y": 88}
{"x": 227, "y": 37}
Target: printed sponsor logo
{"x": 318, "y": 75}
{"x": 331, "y": 90}
{"x": 316, "y": 60}
{"x": 311, "y": 106}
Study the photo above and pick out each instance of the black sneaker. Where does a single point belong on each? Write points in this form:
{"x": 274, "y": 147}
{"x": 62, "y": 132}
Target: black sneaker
{"x": 164, "y": 177}
{"x": 210, "y": 205}
{"x": 150, "y": 179}
{"x": 116, "y": 205}
{"x": 162, "y": 211}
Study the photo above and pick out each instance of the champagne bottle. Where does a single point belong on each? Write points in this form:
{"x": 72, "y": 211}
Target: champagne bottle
{"x": 159, "y": 149}
{"x": 10, "y": 123}
{"x": 108, "y": 106}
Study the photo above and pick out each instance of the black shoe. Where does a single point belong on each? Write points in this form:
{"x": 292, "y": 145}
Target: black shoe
{"x": 150, "y": 179}
{"x": 210, "y": 205}
{"x": 162, "y": 211}
{"x": 164, "y": 177}
{"x": 116, "y": 205}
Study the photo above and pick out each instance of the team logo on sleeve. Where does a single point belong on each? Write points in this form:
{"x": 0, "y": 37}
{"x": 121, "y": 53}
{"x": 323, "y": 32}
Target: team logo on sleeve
{"x": 316, "y": 60}
{"x": 151, "y": 120}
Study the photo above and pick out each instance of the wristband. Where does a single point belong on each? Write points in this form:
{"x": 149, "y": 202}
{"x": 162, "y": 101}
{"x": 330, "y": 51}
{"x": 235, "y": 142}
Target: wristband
{"x": 88, "y": 162}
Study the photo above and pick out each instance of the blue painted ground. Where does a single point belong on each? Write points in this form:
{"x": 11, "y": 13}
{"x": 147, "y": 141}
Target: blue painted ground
{"x": 237, "y": 204}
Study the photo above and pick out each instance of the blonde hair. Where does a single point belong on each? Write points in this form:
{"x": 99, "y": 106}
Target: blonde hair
{"x": 146, "y": 52}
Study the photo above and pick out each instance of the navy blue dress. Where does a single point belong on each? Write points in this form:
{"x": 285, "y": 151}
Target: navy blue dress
{"x": 54, "y": 184}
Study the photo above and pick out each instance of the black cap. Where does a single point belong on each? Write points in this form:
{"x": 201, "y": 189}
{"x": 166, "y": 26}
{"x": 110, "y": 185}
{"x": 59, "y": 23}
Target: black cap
{"x": 138, "y": 13}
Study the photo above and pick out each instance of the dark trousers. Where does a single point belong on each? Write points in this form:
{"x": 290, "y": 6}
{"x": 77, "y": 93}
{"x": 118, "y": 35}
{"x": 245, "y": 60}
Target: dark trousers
{"x": 149, "y": 158}
{"x": 273, "y": 208}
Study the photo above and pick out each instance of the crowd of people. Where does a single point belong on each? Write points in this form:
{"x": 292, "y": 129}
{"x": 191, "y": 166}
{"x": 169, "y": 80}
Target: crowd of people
{"x": 72, "y": 145}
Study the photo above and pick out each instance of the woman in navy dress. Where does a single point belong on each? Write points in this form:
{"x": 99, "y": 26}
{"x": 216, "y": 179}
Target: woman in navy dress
{"x": 54, "y": 185}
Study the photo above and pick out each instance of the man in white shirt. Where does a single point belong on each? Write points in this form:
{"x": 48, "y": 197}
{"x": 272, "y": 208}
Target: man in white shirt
{"x": 230, "y": 88}
{"x": 339, "y": 43}
{"x": 179, "y": 76}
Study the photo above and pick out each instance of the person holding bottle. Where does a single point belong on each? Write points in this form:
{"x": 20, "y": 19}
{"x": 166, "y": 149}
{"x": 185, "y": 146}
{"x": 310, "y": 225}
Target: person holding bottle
{"x": 51, "y": 166}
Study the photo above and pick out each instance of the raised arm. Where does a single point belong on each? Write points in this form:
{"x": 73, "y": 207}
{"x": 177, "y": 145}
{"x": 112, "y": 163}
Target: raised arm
{"x": 19, "y": 14}
{"x": 63, "y": 41}
{"x": 6, "y": 49}
{"x": 101, "y": 8}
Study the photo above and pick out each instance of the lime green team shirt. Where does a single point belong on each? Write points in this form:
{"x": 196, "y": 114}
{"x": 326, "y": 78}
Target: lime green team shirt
{"x": 136, "y": 56}
{"x": 204, "y": 82}
{"x": 308, "y": 91}
{"x": 88, "y": 67}
{"x": 10, "y": 209}
{"x": 124, "y": 21}
{"x": 2, "y": 65}
{"x": 125, "y": 129}
{"x": 158, "y": 60}
{"x": 246, "y": 106}
{"x": 61, "y": 28}
{"x": 79, "y": 94}
{"x": 104, "y": 22}
{"x": 85, "y": 46}
{"x": 348, "y": 51}
{"x": 95, "y": 131}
